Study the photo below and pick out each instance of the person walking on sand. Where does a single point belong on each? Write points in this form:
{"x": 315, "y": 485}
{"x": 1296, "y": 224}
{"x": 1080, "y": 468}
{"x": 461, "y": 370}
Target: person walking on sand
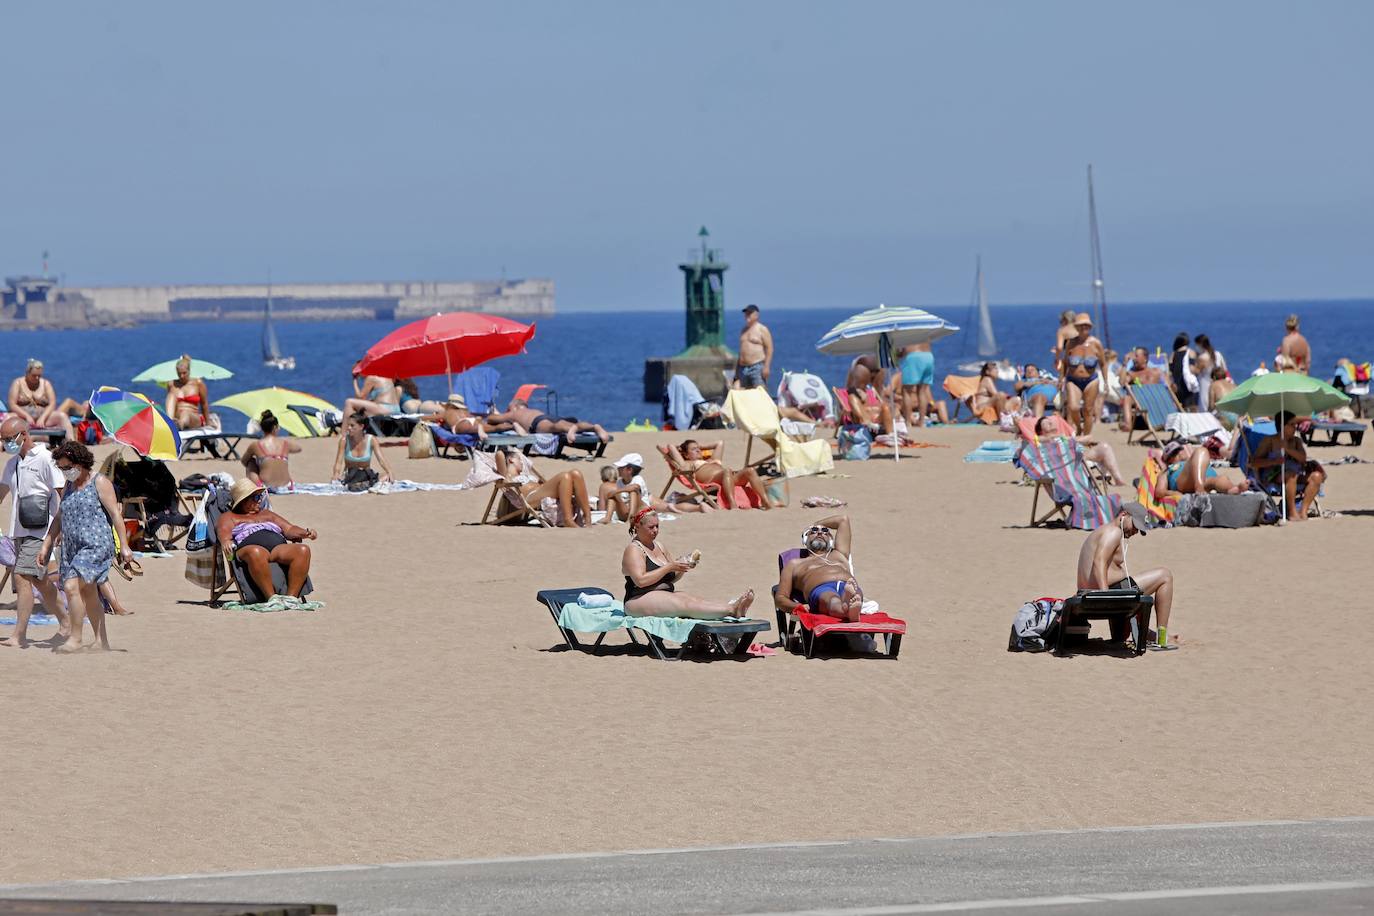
{"x": 35, "y": 483}
{"x": 1102, "y": 565}
{"x": 1294, "y": 346}
{"x": 755, "y": 361}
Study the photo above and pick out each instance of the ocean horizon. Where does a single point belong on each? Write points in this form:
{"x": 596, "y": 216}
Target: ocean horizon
{"x": 594, "y": 360}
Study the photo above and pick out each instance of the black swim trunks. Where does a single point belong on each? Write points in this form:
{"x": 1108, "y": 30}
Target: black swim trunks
{"x": 1126, "y": 583}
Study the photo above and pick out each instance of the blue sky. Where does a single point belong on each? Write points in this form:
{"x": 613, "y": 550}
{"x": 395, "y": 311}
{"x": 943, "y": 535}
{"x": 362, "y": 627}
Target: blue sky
{"x": 841, "y": 154}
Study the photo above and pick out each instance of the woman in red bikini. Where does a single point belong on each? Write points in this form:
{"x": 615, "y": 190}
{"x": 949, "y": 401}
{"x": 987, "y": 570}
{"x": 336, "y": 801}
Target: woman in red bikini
{"x": 266, "y": 460}
{"x": 187, "y": 403}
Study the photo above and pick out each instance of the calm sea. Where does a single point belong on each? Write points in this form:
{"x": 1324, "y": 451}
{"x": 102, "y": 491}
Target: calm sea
{"x": 595, "y": 361}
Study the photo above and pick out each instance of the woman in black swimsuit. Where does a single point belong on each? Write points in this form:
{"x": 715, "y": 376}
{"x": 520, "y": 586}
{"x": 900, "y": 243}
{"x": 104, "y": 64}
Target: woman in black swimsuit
{"x": 1078, "y": 368}
{"x": 651, "y": 576}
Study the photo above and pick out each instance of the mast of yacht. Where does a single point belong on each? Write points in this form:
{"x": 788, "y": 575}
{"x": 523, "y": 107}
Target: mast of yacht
{"x": 1099, "y": 288}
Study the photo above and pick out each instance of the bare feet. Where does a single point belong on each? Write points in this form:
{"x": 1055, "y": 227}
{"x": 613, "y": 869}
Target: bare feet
{"x": 741, "y": 604}
{"x": 14, "y": 642}
{"x": 69, "y": 647}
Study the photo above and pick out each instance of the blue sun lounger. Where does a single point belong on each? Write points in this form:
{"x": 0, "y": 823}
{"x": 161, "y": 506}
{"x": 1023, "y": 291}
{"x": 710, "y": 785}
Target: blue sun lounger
{"x": 727, "y": 638}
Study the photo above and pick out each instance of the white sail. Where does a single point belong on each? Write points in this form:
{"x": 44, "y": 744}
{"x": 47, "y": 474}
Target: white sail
{"x": 271, "y": 347}
{"x": 987, "y": 341}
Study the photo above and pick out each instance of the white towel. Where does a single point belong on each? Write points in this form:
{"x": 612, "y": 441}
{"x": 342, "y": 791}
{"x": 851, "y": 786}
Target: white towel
{"x": 870, "y": 607}
{"x": 592, "y": 601}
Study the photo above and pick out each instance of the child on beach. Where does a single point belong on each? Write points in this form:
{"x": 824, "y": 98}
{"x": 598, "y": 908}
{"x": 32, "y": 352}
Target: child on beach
{"x": 624, "y": 492}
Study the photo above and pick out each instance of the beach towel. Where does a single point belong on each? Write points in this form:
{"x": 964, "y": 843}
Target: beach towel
{"x": 962, "y": 388}
{"x": 754, "y": 412}
{"x": 1193, "y": 425}
{"x": 680, "y": 398}
{"x": 273, "y": 605}
{"x": 381, "y": 489}
{"x": 1164, "y": 509}
{"x": 35, "y": 620}
{"x": 479, "y": 387}
{"x": 574, "y": 616}
{"x": 821, "y": 624}
{"x": 995, "y": 451}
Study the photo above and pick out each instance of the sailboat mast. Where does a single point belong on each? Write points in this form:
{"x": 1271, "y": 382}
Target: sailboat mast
{"x": 987, "y": 341}
{"x": 1099, "y": 287}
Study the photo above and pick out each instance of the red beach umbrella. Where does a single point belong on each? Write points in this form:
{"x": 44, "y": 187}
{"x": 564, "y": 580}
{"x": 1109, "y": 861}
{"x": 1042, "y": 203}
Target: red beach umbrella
{"x": 444, "y": 344}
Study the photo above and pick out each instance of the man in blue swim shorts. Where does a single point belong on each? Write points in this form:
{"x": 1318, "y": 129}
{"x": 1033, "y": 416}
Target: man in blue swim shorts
{"x": 917, "y": 367}
{"x": 824, "y": 573}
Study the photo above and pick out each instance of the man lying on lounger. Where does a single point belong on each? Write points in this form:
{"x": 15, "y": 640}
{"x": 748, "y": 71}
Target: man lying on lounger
{"x": 825, "y": 577}
{"x": 531, "y": 420}
{"x": 1102, "y": 565}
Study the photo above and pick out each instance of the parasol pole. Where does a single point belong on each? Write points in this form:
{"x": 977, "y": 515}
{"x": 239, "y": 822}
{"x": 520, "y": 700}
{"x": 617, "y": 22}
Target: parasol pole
{"x": 885, "y": 362}
{"x": 448, "y": 371}
{"x": 1283, "y": 481}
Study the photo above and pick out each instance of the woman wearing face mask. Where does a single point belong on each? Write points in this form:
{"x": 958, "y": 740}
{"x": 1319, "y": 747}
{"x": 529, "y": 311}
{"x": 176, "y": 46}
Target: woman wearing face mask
{"x": 82, "y": 526}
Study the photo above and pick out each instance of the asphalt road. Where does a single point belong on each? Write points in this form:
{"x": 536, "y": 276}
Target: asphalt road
{"x": 1317, "y": 867}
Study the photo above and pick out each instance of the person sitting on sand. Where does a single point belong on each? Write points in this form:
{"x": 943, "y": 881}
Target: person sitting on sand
{"x": 261, "y": 537}
{"x": 825, "y": 574}
{"x": 1102, "y": 565}
{"x": 188, "y": 403}
{"x": 376, "y": 396}
{"x": 353, "y": 461}
{"x": 987, "y": 394}
{"x": 1037, "y": 392}
{"x": 1188, "y": 469}
{"x": 689, "y": 459}
{"x": 624, "y": 492}
{"x": 33, "y": 396}
{"x": 1093, "y": 450}
{"x": 1282, "y": 459}
{"x": 265, "y": 461}
{"x": 651, "y": 576}
{"x": 530, "y": 420}
{"x": 567, "y": 490}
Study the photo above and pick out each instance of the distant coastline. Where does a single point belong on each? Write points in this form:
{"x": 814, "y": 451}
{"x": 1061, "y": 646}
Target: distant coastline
{"x": 40, "y": 303}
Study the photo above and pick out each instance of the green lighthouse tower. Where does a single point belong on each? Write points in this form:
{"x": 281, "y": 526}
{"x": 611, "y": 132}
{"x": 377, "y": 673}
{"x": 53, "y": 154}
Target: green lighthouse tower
{"x": 706, "y": 355}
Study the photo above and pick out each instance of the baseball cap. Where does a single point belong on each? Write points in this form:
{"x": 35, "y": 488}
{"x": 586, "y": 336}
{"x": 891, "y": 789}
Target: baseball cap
{"x": 1139, "y": 516}
{"x": 749, "y": 308}
{"x": 631, "y": 458}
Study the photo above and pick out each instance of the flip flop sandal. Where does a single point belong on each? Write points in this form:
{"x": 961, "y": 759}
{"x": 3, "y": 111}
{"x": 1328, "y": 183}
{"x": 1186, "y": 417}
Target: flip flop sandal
{"x": 135, "y": 567}
{"x": 123, "y": 571}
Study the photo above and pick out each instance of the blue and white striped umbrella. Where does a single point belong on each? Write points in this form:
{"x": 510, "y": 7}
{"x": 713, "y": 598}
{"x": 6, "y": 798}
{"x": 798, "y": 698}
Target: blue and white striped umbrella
{"x": 900, "y": 325}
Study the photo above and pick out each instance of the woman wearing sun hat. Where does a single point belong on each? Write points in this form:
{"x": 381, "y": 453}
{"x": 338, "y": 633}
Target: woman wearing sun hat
{"x": 1079, "y": 368}
{"x": 260, "y": 537}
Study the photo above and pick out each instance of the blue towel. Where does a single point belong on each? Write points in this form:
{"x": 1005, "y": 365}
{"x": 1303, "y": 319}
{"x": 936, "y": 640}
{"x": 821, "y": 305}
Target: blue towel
{"x": 574, "y": 616}
{"x": 993, "y": 451}
{"x": 681, "y": 397}
{"x": 35, "y": 620}
{"x": 478, "y": 386}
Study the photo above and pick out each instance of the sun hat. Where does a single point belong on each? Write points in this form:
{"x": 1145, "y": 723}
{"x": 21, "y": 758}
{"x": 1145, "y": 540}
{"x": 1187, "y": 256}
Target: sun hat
{"x": 630, "y": 458}
{"x": 1138, "y": 515}
{"x": 456, "y": 400}
{"x": 242, "y": 489}
{"x": 1083, "y": 318}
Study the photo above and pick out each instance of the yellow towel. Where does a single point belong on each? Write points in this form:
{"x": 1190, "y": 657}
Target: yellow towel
{"x": 752, "y": 410}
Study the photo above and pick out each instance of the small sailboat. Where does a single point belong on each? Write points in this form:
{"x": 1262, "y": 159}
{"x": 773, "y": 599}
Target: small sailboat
{"x": 987, "y": 340}
{"x": 272, "y": 356}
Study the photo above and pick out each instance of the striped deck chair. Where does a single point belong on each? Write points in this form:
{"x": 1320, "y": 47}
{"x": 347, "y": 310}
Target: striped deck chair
{"x": 1059, "y": 470}
{"x": 1025, "y": 428}
{"x": 1153, "y": 404}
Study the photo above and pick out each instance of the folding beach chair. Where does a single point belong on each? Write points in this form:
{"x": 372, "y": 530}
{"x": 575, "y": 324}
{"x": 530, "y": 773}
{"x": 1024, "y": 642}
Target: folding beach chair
{"x": 1059, "y": 471}
{"x": 1156, "y": 404}
{"x": 514, "y": 508}
{"x": 1025, "y": 428}
{"x": 1123, "y": 608}
{"x": 1249, "y": 441}
{"x": 962, "y": 388}
{"x": 752, "y": 410}
{"x": 727, "y": 638}
{"x": 710, "y": 492}
{"x": 799, "y": 628}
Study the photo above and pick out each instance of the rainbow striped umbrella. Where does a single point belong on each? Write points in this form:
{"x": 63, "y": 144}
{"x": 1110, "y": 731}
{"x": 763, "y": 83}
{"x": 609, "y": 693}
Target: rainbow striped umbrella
{"x": 134, "y": 420}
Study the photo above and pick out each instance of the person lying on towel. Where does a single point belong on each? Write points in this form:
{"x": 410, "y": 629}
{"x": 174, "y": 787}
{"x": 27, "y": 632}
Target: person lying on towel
{"x": 825, "y": 574}
{"x": 1102, "y": 565}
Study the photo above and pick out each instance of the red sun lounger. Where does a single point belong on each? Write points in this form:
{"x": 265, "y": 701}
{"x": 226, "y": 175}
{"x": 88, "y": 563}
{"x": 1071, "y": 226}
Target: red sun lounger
{"x": 807, "y": 628}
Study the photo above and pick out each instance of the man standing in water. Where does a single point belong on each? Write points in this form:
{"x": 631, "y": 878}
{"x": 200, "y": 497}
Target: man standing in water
{"x": 1294, "y": 346}
{"x": 755, "y": 351}
{"x": 1102, "y": 565}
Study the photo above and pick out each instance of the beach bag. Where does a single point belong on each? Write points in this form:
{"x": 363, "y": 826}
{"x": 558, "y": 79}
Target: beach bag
{"x": 198, "y": 538}
{"x": 200, "y": 567}
{"x": 8, "y": 555}
{"x": 421, "y": 441}
{"x": 358, "y": 479}
{"x": 1034, "y": 628}
{"x": 856, "y": 443}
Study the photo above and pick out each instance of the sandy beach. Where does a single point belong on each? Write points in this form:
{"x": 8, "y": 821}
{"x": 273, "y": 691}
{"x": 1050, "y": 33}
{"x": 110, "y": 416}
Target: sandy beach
{"x": 429, "y": 710}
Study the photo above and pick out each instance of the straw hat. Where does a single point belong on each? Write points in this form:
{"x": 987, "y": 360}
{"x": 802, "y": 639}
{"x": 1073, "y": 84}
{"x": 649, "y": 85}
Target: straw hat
{"x": 242, "y": 489}
{"x": 1083, "y": 318}
{"x": 456, "y": 400}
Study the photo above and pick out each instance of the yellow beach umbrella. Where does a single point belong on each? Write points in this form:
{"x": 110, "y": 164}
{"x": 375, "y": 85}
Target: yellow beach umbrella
{"x": 280, "y": 401}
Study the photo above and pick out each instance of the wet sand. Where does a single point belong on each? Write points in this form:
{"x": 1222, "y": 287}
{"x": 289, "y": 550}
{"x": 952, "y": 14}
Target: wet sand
{"x": 430, "y": 712}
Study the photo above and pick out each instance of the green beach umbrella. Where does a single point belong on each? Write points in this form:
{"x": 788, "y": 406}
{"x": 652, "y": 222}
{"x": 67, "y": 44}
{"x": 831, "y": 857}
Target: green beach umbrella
{"x": 1266, "y": 395}
{"x": 166, "y": 372}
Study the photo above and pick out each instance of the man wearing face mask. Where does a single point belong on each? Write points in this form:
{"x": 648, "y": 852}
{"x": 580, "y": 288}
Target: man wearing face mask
{"x": 825, "y": 576}
{"x": 1102, "y": 565}
{"x": 33, "y": 479}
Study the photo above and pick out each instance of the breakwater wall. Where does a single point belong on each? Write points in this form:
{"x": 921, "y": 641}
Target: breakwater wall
{"x": 320, "y": 301}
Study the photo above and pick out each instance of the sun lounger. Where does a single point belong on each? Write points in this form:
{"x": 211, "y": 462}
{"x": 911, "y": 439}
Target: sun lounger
{"x": 393, "y": 425}
{"x": 806, "y": 628}
{"x": 204, "y": 440}
{"x": 1123, "y": 609}
{"x": 555, "y": 598}
{"x": 1059, "y": 470}
{"x": 752, "y": 410}
{"x": 725, "y": 637}
{"x": 1333, "y": 431}
{"x": 962, "y": 388}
